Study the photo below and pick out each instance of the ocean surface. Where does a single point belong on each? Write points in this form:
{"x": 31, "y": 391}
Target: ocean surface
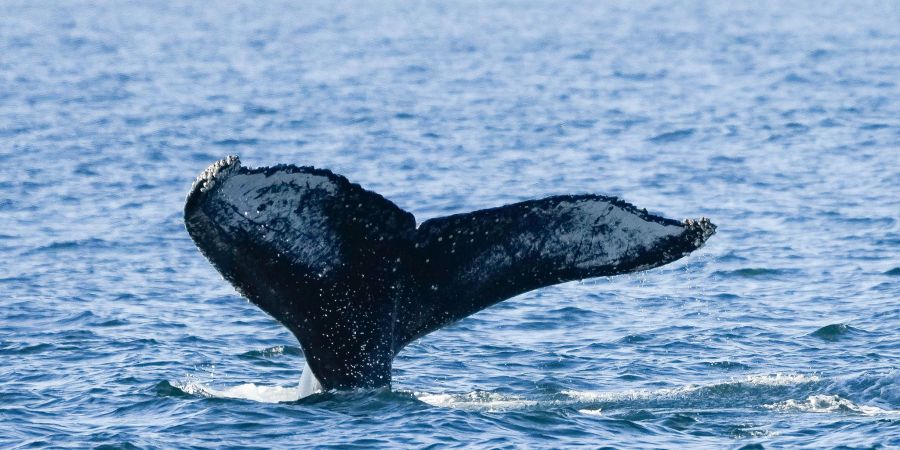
{"x": 778, "y": 120}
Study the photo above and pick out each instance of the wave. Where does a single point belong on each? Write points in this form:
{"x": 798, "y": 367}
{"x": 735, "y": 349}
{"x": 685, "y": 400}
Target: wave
{"x": 70, "y": 245}
{"x": 672, "y": 136}
{"x": 829, "y": 404}
{"x": 307, "y": 386}
{"x": 783, "y": 392}
{"x": 477, "y": 401}
{"x": 835, "y": 332}
{"x": 723, "y": 394}
{"x": 245, "y": 391}
{"x": 272, "y": 352}
{"x": 755, "y": 272}
{"x": 761, "y": 391}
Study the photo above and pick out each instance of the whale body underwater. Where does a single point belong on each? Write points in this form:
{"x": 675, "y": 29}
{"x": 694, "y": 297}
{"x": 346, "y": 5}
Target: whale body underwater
{"x": 353, "y": 277}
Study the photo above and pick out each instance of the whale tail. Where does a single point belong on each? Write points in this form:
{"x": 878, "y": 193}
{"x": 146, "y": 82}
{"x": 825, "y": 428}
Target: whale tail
{"x": 353, "y": 278}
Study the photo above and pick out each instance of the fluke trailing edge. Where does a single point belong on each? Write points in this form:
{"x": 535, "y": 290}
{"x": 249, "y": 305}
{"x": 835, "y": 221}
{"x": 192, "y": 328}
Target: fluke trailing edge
{"x": 350, "y": 274}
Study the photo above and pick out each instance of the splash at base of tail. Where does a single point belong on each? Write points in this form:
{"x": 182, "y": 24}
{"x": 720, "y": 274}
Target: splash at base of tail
{"x": 309, "y": 385}
{"x": 355, "y": 280}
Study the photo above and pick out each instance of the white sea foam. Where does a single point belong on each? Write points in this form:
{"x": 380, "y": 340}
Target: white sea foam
{"x": 476, "y": 401}
{"x": 497, "y": 402}
{"x": 308, "y": 385}
{"x": 780, "y": 379}
{"x": 828, "y": 404}
{"x": 586, "y": 400}
{"x": 777, "y": 379}
{"x": 246, "y": 391}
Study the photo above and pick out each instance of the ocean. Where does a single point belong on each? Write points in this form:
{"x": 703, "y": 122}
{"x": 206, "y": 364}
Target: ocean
{"x": 780, "y": 121}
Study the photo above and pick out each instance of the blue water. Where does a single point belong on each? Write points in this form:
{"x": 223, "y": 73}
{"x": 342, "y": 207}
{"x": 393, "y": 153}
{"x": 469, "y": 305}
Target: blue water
{"x": 779, "y": 120}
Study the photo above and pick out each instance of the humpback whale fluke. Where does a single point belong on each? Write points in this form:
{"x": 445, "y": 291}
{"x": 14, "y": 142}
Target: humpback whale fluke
{"x": 353, "y": 278}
